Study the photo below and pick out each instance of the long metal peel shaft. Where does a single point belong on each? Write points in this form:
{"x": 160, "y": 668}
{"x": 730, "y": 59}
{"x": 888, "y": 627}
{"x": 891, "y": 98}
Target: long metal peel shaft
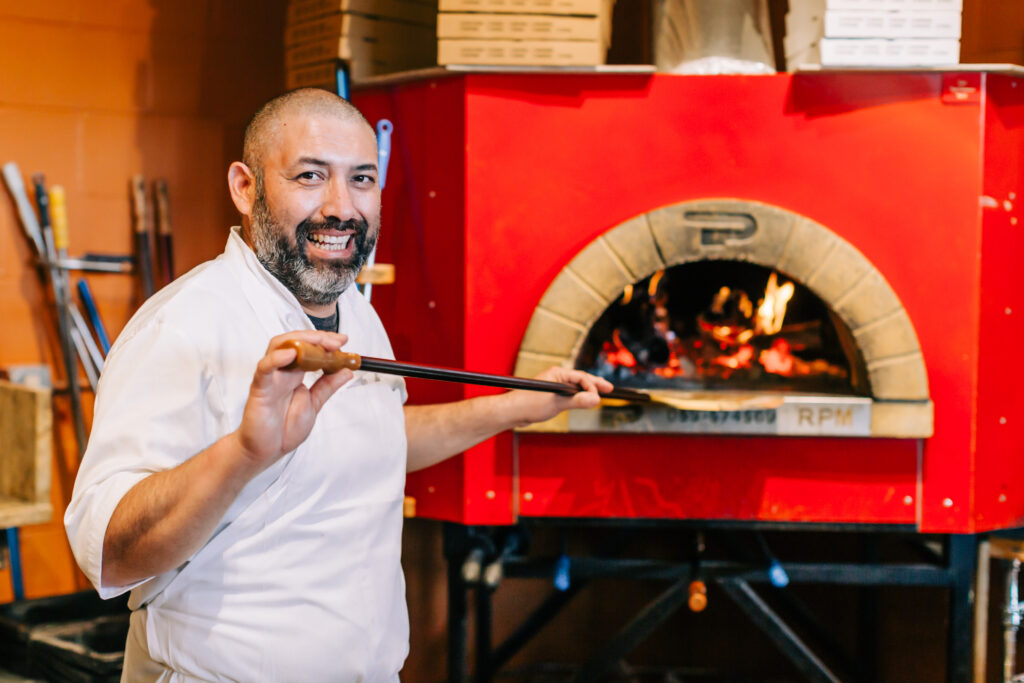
{"x": 311, "y": 357}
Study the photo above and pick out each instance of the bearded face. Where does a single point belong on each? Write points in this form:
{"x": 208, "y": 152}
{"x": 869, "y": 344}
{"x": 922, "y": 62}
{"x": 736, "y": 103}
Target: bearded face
{"x": 283, "y": 252}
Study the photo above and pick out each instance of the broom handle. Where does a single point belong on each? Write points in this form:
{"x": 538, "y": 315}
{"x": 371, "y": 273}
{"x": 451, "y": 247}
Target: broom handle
{"x": 311, "y": 357}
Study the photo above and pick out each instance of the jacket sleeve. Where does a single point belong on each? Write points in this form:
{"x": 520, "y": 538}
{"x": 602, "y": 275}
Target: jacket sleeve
{"x": 155, "y": 408}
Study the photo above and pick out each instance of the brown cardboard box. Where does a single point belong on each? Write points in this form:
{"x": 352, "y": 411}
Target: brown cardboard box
{"x": 522, "y": 27}
{"x": 301, "y": 11}
{"x": 335, "y": 25}
{"x": 319, "y": 75}
{"x": 521, "y": 52}
{"x": 530, "y": 6}
{"x": 391, "y": 40}
{"x": 364, "y": 57}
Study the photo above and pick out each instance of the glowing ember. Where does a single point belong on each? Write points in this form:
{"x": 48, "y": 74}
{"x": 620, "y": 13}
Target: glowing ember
{"x": 740, "y": 359}
{"x": 616, "y": 352}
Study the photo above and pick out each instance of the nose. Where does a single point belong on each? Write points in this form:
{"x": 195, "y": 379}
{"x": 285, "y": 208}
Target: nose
{"x": 338, "y": 201}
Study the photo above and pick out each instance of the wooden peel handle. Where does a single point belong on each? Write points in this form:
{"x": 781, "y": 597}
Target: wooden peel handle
{"x": 311, "y": 357}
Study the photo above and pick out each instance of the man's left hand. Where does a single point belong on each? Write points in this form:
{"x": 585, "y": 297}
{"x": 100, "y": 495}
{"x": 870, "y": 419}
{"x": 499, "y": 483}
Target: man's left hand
{"x": 535, "y": 406}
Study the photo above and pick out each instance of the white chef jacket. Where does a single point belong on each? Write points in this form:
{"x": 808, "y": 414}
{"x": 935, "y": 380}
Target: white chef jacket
{"x": 302, "y": 579}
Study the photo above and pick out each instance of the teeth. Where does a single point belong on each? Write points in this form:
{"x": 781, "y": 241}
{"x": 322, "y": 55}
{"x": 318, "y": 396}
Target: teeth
{"x": 331, "y": 242}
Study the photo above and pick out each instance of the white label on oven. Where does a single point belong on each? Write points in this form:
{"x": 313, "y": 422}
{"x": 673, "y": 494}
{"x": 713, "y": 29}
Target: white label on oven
{"x": 797, "y": 416}
{"x": 822, "y": 415}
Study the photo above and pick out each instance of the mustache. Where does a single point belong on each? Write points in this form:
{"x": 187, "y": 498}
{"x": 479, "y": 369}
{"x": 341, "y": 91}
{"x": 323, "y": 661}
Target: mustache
{"x": 358, "y": 225}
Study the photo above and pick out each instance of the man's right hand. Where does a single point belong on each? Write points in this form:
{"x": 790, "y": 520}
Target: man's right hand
{"x": 167, "y": 516}
{"x": 280, "y": 411}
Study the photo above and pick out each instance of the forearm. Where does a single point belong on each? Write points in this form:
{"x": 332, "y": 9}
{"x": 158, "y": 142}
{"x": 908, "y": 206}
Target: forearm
{"x": 437, "y": 432}
{"x": 165, "y": 518}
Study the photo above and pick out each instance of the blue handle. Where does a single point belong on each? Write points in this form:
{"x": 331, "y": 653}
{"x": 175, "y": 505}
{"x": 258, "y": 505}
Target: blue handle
{"x": 15, "y": 554}
{"x": 384, "y": 130}
{"x": 777, "y": 575}
{"x": 562, "y": 573}
{"x": 94, "y": 315}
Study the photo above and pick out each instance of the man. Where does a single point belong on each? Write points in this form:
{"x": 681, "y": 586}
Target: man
{"x": 254, "y": 511}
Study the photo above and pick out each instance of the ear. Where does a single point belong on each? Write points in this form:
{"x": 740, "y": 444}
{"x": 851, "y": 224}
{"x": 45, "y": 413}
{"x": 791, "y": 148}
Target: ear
{"x": 242, "y": 185}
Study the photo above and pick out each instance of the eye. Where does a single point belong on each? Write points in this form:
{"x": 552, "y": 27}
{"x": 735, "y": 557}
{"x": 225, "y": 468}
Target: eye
{"x": 363, "y": 179}
{"x": 309, "y": 176}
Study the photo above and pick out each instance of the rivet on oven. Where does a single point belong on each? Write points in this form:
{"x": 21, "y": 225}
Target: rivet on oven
{"x": 490, "y": 495}
{"x": 1002, "y": 497}
{"x": 1002, "y": 420}
{"x": 1013, "y": 220}
{"x": 908, "y": 500}
{"x": 1008, "y": 205}
{"x": 430, "y": 489}
{"x": 527, "y": 496}
{"x": 947, "y": 502}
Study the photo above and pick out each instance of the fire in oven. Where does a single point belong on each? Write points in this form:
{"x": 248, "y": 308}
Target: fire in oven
{"x": 738, "y": 318}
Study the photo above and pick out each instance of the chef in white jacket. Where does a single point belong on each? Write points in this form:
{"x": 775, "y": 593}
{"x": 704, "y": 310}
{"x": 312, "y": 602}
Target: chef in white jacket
{"x": 255, "y": 512}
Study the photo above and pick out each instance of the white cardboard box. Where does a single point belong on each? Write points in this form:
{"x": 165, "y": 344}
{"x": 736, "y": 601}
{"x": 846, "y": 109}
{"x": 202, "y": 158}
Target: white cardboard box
{"x": 878, "y": 24}
{"x": 892, "y": 5}
{"x": 899, "y": 52}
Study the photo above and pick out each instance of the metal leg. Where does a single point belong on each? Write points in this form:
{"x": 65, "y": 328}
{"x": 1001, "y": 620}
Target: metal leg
{"x": 635, "y": 632}
{"x": 484, "y": 663}
{"x": 981, "y": 602}
{"x": 540, "y": 617}
{"x": 458, "y": 619}
{"x": 1011, "y": 620}
{"x": 758, "y": 611}
{"x": 867, "y": 617}
{"x": 960, "y": 551}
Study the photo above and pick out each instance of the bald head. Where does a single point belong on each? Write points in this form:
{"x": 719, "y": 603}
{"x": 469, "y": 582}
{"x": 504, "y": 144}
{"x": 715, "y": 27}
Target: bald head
{"x": 265, "y": 125}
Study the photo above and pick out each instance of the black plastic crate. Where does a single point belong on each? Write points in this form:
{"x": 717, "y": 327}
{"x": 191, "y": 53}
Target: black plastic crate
{"x": 81, "y": 651}
{"x": 19, "y": 620}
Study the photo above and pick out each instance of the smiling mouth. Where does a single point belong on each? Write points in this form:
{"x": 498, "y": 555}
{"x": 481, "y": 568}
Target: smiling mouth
{"x": 330, "y": 242}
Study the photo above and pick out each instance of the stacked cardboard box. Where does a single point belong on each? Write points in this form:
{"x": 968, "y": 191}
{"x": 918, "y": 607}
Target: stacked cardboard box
{"x": 892, "y": 33}
{"x": 524, "y": 32}
{"x": 371, "y": 37}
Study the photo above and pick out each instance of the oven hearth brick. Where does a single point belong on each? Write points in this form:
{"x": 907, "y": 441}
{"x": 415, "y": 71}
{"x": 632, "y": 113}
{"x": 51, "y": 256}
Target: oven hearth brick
{"x": 597, "y": 268}
{"x": 552, "y": 335}
{"x": 633, "y": 241}
{"x": 570, "y": 298}
{"x": 899, "y": 378}
{"x": 892, "y": 335}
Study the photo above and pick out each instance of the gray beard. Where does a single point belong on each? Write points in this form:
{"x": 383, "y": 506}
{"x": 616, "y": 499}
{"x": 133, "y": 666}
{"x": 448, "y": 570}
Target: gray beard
{"x": 311, "y": 283}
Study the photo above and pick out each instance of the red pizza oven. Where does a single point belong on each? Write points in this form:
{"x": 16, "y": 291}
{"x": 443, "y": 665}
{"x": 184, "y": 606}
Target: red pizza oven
{"x": 647, "y": 227}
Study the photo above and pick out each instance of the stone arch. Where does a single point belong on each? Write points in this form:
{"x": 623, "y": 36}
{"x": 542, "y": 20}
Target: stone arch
{"x": 737, "y": 230}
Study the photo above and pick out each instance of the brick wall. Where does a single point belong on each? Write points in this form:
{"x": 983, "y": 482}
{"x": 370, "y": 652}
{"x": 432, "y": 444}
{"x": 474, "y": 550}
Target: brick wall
{"x": 92, "y": 92}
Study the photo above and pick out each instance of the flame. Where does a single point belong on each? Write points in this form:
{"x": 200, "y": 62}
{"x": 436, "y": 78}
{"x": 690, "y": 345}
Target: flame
{"x": 772, "y": 309}
{"x": 627, "y": 295}
{"x": 652, "y": 288}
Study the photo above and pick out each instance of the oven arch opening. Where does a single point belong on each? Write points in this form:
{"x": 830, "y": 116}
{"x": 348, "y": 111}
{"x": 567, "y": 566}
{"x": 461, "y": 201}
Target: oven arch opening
{"x": 737, "y": 230}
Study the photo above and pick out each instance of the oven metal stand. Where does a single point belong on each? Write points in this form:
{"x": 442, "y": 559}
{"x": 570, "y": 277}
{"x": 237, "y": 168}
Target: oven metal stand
{"x": 479, "y": 557}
